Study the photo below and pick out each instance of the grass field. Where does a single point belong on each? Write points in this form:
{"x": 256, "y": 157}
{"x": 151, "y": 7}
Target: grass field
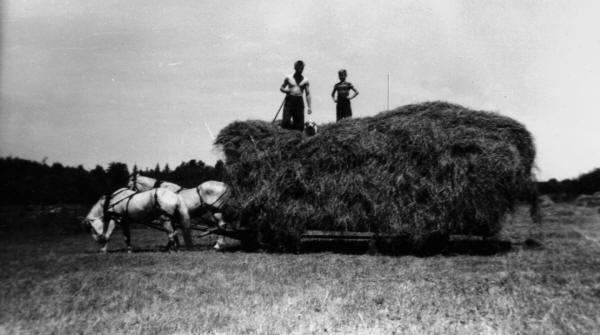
{"x": 51, "y": 285}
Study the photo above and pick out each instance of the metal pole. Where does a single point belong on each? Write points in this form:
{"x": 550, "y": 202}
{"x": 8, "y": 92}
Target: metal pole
{"x": 388, "y": 91}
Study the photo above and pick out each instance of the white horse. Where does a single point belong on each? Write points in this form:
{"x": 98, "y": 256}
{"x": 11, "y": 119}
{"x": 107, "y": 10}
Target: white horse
{"x": 209, "y": 196}
{"x": 125, "y": 206}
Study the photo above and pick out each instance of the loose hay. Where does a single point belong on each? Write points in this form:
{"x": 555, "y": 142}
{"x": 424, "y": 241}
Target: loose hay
{"x": 418, "y": 171}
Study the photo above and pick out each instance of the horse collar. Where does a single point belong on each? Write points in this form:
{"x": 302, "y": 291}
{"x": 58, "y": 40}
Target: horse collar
{"x": 202, "y": 203}
{"x": 106, "y": 214}
{"x": 156, "y": 205}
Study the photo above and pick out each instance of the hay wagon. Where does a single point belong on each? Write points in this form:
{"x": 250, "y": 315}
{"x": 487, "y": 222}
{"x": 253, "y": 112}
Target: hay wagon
{"x": 419, "y": 172}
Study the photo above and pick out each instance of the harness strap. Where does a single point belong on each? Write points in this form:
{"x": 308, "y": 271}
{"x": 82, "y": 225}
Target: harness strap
{"x": 157, "y": 208}
{"x": 117, "y": 193}
{"x": 127, "y": 207}
{"x": 212, "y": 207}
{"x": 135, "y": 188}
{"x": 156, "y": 199}
{"x": 105, "y": 209}
{"x": 199, "y": 196}
{"x": 222, "y": 196}
{"x": 108, "y": 214}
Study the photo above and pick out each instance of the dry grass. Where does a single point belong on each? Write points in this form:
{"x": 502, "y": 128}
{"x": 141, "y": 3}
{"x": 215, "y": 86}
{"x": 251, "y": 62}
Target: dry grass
{"x": 418, "y": 172}
{"x": 51, "y": 286}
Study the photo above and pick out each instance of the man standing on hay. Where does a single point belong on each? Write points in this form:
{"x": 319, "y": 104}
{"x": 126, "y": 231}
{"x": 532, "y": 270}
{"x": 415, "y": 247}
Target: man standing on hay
{"x": 343, "y": 88}
{"x": 294, "y": 87}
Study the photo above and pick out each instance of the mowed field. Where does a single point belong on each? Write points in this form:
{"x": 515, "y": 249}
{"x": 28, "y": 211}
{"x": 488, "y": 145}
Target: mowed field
{"x": 61, "y": 285}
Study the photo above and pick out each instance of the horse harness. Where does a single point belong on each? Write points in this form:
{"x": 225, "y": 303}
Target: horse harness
{"x": 157, "y": 184}
{"x": 206, "y": 207}
{"x": 211, "y": 207}
{"x": 118, "y": 217}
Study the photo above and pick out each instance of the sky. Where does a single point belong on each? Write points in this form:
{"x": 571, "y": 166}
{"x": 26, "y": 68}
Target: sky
{"x": 147, "y": 81}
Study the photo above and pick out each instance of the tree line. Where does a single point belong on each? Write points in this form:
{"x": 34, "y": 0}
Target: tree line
{"x": 569, "y": 189}
{"x": 29, "y": 182}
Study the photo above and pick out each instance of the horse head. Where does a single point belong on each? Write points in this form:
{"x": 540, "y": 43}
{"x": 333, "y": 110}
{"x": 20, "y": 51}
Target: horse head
{"x": 217, "y": 197}
{"x": 100, "y": 225}
{"x": 141, "y": 183}
{"x": 132, "y": 183}
{"x": 214, "y": 193}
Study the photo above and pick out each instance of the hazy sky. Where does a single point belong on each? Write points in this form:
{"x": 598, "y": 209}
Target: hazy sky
{"x": 95, "y": 81}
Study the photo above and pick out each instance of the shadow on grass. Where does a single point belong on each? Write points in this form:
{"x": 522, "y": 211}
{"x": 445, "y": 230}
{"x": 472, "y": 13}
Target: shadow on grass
{"x": 454, "y": 247}
{"x": 154, "y": 249}
{"x": 478, "y": 247}
{"x": 463, "y": 247}
{"x": 475, "y": 247}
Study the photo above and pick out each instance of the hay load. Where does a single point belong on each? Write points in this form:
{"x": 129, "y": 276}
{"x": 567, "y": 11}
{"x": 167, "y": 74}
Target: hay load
{"x": 408, "y": 174}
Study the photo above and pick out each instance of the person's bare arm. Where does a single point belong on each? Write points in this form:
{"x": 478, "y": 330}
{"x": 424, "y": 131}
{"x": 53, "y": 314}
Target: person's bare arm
{"x": 284, "y": 87}
{"x": 307, "y": 90}
{"x": 355, "y": 93}
{"x": 333, "y": 94}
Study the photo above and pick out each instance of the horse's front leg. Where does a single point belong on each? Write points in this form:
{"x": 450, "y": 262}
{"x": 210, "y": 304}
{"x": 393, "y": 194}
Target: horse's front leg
{"x": 103, "y": 241}
{"x": 127, "y": 234}
{"x": 171, "y": 233}
{"x": 221, "y": 224}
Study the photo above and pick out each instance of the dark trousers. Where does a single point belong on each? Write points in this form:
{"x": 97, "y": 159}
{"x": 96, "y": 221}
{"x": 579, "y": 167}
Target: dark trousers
{"x": 293, "y": 113}
{"x": 343, "y": 109}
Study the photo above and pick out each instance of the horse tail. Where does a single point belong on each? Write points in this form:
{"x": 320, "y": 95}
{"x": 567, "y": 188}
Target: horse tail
{"x": 184, "y": 220}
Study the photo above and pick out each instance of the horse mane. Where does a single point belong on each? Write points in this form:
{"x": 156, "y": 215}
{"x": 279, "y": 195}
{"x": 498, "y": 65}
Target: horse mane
{"x": 106, "y": 203}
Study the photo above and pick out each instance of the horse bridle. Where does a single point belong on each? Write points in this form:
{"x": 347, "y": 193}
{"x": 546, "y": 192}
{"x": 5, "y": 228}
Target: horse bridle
{"x": 211, "y": 207}
{"x": 134, "y": 181}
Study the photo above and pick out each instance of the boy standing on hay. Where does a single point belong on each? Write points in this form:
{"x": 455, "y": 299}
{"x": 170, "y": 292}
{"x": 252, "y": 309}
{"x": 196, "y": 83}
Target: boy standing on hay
{"x": 343, "y": 88}
{"x": 294, "y": 87}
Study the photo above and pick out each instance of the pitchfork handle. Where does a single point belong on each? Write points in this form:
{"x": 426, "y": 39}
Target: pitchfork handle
{"x": 279, "y": 110}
